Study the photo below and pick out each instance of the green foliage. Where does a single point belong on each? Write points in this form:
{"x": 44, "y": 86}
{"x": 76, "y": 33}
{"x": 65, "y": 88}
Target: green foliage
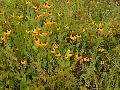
{"x": 87, "y": 33}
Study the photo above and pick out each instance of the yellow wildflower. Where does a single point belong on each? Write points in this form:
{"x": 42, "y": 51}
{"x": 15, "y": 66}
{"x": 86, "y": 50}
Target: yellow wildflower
{"x": 40, "y": 43}
{"x": 48, "y": 22}
{"x": 73, "y": 36}
{"x": 7, "y": 32}
{"x": 34, "y": 32}
{"x": 48, "y": 13}
{"x": 46, "y": 5}
{"x": 34, "y": 7}
{"x": 37, "y": 41}
{"x": 27, "y": 31}
{"x": 78, "y": 57}
{"x": 43, "y": 44}
{"x": 67, "y": 27}
{"x": 43, "y": 34}
{"x": 24, "y": 61}
{"x": 102, "y": 62}
{"x": 52, "y": 50}
{"x": 101, "y": 49}
{"x": 78, "y": 35}
{"x": 86, "y": 59}
{"x": 58, "y": 28}
{"x": 68, "y": 1}
{"x": 20, "y": 17}
{"x": 59, "y": 14}
{"x": 100, "y": 27}
{"x": 84, "y": 29}
{"x": 39, "y": 15}
{"x": 57, "y": 54}
{"x": 27, "y": 2}
{"x": 2, "y": 38}
{"x": 68, "y": 54}
{"x": 55, "y": 45}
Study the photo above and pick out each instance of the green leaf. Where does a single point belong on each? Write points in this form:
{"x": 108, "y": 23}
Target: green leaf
{"x": 35, "y": 48}
{"x": 43, "y": 39}
{"x": 67, "y": 63}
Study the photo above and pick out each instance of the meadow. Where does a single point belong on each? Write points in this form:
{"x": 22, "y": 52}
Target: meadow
{"x": 59, "y": 45}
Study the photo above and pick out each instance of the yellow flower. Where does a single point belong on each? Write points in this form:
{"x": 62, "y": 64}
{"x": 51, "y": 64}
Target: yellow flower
{"x": 58, "y": 28}
{"x": 78, "y": 35}
{"x": 67, "y": 27}
{"x": 43, "y": 34}
{"x": 24, "y": 61}
{"x": 101, "y": 49}
{"x": 27, "y": 31}
{"x": 67, "y": 1}
{"x": 46, "y": 5}
{"x": 73, "y": 36}
{"x": 59, "y": 14}
{"x": 2, "y": 38}
{"x": 27, "y": 2}
{"x": 86, "y": 59}
{"x": 78, "y": 57}
{"x": 68, "y": 54}
{"x": 40, "y": 43}
{"x": 48, "y": 13}
{"x": 85, "y": 29}
{"x": 34, "y": 7}
{"x": 7, "y": 32}
{"x": 57, "y": 54}
{"x": 34, "y": 32}
{"x": 39, "y": 15}
{"x": 102, "y": 62}
{"x": 55, "y": 45}
{"x": 52, "y": 50}
{"x": 119, "y": 53}
{"x": 20, "y": 17}
{"x": 100, "y": 27}
{"x": 37, "y": 41}
{"x": 48, "y": 22}
{"x": 43, "y": 44}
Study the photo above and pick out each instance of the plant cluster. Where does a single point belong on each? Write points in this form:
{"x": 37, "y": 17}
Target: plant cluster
{"x": 59, "y": 45}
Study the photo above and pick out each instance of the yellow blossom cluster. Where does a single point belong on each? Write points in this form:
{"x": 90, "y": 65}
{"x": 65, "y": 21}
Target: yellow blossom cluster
{"x": 82, "y": 58}
{"x": 48, "y": 22}
{"x": 75, "y": 36}
{"x": 40, "y": 43}
{"x": 99, "y": 27}
{"x": 5, "y": 35}
{"x": 35, "y": 32}
{"x": 68, "y": 54}
{"x": 54, "y": 51}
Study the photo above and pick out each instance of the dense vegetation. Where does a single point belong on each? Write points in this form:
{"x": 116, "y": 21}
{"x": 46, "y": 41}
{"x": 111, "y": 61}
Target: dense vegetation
{"x": 59, "y": 45}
